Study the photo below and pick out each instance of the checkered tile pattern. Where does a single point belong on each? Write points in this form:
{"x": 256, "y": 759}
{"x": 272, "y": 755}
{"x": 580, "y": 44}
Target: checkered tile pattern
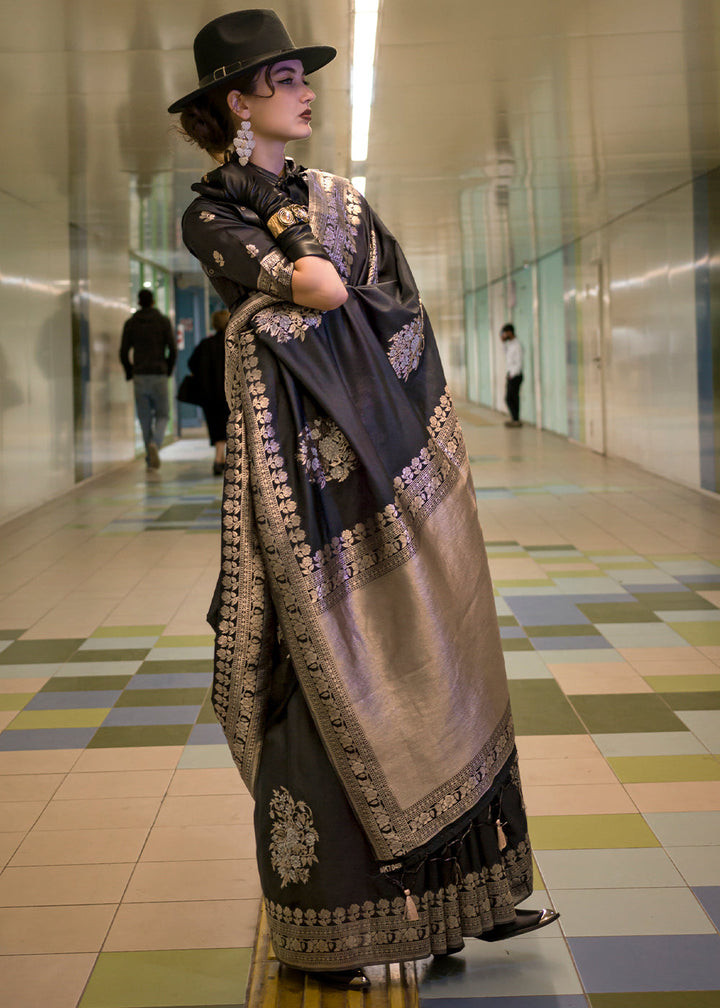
{"x": 126, "y": 837}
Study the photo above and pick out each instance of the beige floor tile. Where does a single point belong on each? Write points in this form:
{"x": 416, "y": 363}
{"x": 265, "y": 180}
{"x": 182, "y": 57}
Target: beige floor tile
{"x": 29, "y": 787}
{"x": 645, "y": 654}
{"x": 99, "y": 813}
{"x": 77, "y": 847}
{"x": 20, "y": 816}
{"x": 131, "y": 758}
{"x": 44, "y": 981}
{"x": 697, "y": 665}
{"x": 157, "y": 882}
{"x": 56, "y": 885}
{"x": 6, "y": 716}
{"x": 712, "y": 596}
{"x": 577, "y": 799}
{"x": 555, "y": 747}
{"x": 194, "y": 843}
{"x": 205, "y": 924}
{"x": 522, "y": 569}
{"x": 598, "y": 677}
{"x": 22, "y": 685}
{"x": 9, "y": 843}
{"x": 688, "y": 796}
{"x": 46, "y": 929}
{"x": 549, "y": 772}
{"x": 38, "y": 761}
{"x": 115, "y": 784}
{"x": 712, "y": 652}
{"x": 214, "y": 810}
{"x": 213, "y": 781}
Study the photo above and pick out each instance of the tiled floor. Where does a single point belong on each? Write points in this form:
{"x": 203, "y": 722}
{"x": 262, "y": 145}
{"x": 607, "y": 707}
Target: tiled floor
{"x": 125, "y": 833}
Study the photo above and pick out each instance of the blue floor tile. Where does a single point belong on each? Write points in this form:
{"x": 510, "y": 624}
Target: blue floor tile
{"x": 546, "y": 610}
{"x": 709, "y": 896}
{"x": 206, "y": 734}
{"x": 45, "y": 738}
{"x": 648, "y": 963}
{"x": 74, "y": 700}
{"x": 125, "y": 716}
{"x": 528, "y": 1001}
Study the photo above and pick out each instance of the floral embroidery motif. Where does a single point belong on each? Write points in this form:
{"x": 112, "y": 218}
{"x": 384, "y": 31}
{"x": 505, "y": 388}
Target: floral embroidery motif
{"x": 218, "y": 258}
{"x": 325, "y": 453}
{"x": 253, "y": 250}
{"x": 287, "y": 325}
{"x": 205, "y": 215}
{"x": 406, "y": 347}
{"x": 335, "y": 209}
{"x": 478, "y": 901}
{"x": 292, "y": 838}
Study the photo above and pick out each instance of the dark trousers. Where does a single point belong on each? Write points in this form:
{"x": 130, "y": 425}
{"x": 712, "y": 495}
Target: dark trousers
{"x": 512, "y": 395}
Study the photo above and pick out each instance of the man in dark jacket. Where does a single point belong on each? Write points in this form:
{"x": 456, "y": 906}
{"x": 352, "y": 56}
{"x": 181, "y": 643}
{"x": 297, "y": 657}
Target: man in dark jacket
{"x": 148, "y": 335}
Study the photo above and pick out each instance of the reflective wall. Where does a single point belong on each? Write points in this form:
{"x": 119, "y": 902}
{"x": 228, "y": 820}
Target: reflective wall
{"x": 618, "y": 328}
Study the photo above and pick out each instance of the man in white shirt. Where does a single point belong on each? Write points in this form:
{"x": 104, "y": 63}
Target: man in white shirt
{"x": 513, "y": 373}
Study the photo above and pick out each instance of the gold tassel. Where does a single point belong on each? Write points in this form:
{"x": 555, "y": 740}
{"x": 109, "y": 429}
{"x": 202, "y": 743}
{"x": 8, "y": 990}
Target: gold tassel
{"x": 502, "y": 839}
{"x": 410, "y": 908}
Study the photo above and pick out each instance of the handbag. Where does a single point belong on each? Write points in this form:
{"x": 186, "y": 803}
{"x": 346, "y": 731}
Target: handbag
{"x": 189, "y": 390}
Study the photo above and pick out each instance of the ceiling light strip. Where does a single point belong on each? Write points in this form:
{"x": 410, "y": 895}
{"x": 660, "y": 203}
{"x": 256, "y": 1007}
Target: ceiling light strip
{"x": 365, "y": 19}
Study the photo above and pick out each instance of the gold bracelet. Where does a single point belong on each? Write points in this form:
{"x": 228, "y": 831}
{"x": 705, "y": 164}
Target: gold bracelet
{"x": 285, "y": 217}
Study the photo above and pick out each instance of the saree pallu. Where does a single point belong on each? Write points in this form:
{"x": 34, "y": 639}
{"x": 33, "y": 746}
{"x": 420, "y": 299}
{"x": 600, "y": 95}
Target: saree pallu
{"x": 354, "y": 574}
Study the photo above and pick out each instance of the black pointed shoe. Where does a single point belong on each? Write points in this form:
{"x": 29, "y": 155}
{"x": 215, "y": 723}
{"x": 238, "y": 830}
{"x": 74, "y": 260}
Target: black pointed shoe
{"x": 525, "y": 921}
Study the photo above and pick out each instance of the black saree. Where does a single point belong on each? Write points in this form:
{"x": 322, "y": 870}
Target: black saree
{"x": 359, "y": 675}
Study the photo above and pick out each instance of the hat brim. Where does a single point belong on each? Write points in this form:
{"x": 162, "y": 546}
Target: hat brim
{"x": 311, "y": 57}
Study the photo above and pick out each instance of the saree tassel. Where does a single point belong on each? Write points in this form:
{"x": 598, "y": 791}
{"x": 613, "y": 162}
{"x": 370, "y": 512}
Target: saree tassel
{"x": 502, "y": 839}
{"x": 410, "y": 908}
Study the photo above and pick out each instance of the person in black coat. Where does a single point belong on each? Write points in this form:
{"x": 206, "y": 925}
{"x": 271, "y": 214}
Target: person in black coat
{"x": 207, "y": 363}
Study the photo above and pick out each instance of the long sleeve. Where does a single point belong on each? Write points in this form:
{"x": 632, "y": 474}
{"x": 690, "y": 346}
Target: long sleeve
{"x": 125, "y": 346}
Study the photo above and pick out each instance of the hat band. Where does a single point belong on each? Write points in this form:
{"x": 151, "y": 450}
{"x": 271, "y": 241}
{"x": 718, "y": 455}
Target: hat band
{"x": 223, "y": 71}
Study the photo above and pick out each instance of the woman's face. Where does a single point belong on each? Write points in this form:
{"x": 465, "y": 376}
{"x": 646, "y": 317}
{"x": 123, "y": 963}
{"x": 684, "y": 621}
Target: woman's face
{"x": 280, "y": 116}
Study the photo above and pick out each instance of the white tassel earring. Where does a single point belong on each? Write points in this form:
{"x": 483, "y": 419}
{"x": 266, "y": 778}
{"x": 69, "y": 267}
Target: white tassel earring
{"x": 244, "y": 142}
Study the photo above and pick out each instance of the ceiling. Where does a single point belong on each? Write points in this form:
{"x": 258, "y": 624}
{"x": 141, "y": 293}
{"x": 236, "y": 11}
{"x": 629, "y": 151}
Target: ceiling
{"x": 546, "y": 118}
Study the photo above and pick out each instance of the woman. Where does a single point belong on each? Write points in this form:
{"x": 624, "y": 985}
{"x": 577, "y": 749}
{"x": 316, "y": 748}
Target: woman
{"x": 359, "y": 675}
{"x": 207, "y": 363}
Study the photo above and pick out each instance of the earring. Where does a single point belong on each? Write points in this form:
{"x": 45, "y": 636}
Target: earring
{"x": 244, "y": 143}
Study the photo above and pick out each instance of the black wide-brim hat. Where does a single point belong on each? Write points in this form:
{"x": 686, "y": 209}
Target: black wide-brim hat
{"x": 235, "y": 43}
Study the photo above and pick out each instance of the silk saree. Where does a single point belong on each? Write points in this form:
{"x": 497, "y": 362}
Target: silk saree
{"x": 359, "y": 675}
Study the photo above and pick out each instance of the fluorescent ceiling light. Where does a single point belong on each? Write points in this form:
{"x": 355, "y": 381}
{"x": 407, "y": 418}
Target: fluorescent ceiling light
{"x": 363, "y": 72}
{"x": 359, "y": 182}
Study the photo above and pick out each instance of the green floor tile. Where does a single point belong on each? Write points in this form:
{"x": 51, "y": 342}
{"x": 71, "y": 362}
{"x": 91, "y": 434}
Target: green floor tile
{"x": 75, "y": 684}
{"x": 507, "y": 621}
{"x": 657, "y": 999}
{"x": 516, "y": 644}
{"x": 692, "y": 701}
{"x": 164, "y": 667}
{"x": 168, "y": 979}
{"x": 648, "y": 769}
{"x": 150, "y": 630}
{"x": 698, "y": 634}
{"x": 8, "y": 634}
{"x": 684, "y": 683}
{"x": 89, "y": 717}
{"x": 590, "y": 832}
{"x": 198, "y": 640}
{"x": 540, "y": 707}
{"x": 207, "y": 713}
{"x": 628, "y": 712}
{"x": 14, "y": 701}
{"x": 162, "y": 697}
{"x": 617, "y": 612}
{"x": 672, "y": 601}
{"x": 112, "y": 654}
{"x": 524, "y": 583}
{"x": 123, "y": 736}
{"x": 32, "y": 652}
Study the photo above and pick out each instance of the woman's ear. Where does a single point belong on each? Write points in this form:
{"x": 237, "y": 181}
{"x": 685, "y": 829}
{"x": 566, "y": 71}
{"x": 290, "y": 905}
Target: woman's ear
{"x": 238, "y": 105}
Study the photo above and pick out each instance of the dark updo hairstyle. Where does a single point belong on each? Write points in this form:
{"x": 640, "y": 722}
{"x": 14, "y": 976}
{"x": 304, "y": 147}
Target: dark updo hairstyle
{"x": 208, "y": 122}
